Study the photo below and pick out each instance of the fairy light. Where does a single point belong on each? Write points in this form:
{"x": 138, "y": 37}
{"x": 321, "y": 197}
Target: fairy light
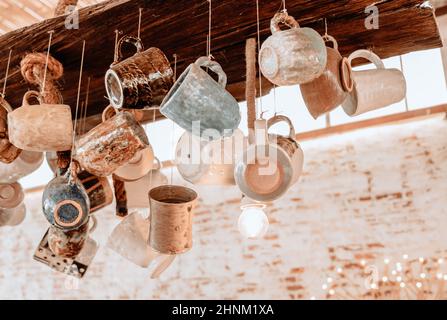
{"x": 405, "y": 256}
{"x": 423, "y": 275}
{"x": 386, "y": 261}
{"x": 330, "y": 280}
{"x": 419, "y": 285}
{"x": 253, "y": 222}
{"x": 402, "y": 285}
{"x": 385, "y": 279}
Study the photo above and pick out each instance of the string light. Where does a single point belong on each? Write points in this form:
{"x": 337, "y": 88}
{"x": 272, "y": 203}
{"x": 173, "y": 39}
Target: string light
{"x": 253, "y": 222}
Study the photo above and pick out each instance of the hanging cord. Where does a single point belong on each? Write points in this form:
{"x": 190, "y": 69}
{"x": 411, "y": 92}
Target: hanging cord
{"x": 62, "y": 6}
{"x": 284, "y": 9}
{"x": 84, "y": 115}
{"x": 173, "y": 125}
{"x": 250, "y": 88}
{"x": 3, "y": 94}
{"x": 403, "y": 71}
{"x": 139, "y": 23}
{"x": 259, "y": 50}
{"x": 208, "y": 45}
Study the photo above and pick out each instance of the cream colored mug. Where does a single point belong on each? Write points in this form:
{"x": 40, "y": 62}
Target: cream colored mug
{"x": 43, "y": 127}
{"x": 374, "y": 89}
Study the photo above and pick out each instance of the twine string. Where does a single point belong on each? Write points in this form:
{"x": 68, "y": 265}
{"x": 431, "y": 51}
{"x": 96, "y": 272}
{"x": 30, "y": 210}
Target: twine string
{"x": 7, "y": 74}
{"x": 46, "y": 62}
{"x": 77, "y": 101}
{"x": 139, "y": 23}
{"x": 87, "y": 95}
{"x": 259, "y": 50}
{"x": 173, "y": 124}
{"x": 208, "y": 45}
{"x": 284, "y": 9}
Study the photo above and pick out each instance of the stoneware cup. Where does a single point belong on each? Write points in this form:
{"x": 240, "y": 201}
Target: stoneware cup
{"x": 137, "y": 190}
{"x": 293, "y": 56}
{"x": 204, "y": 162}
{"x": 26, "y": 163}
{"x": 271, "y": 165}
{"x": 196, "y": 98}
{"x": 142, "y": 80}
{"x": 65, "y": 201}
{"x": 111, "y": 144}
{"x": 137, "y": 167}
{"x": 43, "y": 127}
{"x": 328, "y": 91}
{"x": 69, "y": 244}
{"x": 8, "y": 152}
{"x": 12, "y": 209}
{"x": 374, "y": 89}
{"x": 13, "y": 216}
{"x": 171, "y": 210}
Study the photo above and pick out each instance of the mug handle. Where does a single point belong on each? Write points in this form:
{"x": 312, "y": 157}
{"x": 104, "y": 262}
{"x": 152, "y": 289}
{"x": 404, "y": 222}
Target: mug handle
{"x": 28, "y": 95}
{"x": 284, "y": 18}
{"x": 94, "y": 223}
{"x": 277, "y": 119}
{"x": 215, "y": 67}
{"x": 347, "y": 79}
{"x": 157, "y": 164}
{"x": 368, "y": 55}
{"x": 108, "y": 113}
{"x": 128, "y": 39}
{"x": 329, "y": 38}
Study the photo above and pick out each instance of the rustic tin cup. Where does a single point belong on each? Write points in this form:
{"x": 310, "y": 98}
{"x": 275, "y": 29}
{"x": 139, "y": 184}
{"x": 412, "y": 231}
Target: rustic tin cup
{"x": 69, "y": 244}
{"x": 65, "y": 201}
{"x": 137, "y": 190}
{"x": 171, "y": 210}
{"x": 293, "y": 56}
{"x": 26, "y": 163}
{"x": 142, "y": 80}
{"x": 99, "y": 191}
{"x": 271, "y": 165}
{"x": 8, "y": 152}
{"x": 374, "y": 89}
{"x": 214, "y": 162}
{"x": 43, "y": 127}
{"x": 111, "y": 144}
{"x": 328, "y": 91}
{"x": 130, "y": 240}
{"x": 197, "y": 97}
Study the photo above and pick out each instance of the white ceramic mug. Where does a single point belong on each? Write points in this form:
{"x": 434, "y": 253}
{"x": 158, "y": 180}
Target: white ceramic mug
{"x": 374, "y": 89}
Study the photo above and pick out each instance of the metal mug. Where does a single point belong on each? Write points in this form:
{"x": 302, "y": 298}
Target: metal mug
{"x": 142, "y": 80}
{"x": 137, "y": 190}
{"x": 374, "y": 89}
{"x": 196, "y": 96}
{"x": 130, "y": 239}
{"x": 331, "y": 89}
{"x": 271, "y": 165}
{"x": 65, "y": 201}
{"x": 69, "y": 244}
{"x": 171, "y": 210}
{"x": 43, "y": 127}
{"x": 209, "y": 162}
{"x": 12, "y": 209}
{"x": 26, "y": 163}
{"x": 293, "y": 56}
{"x": 111, "y": 144}
{"x": 8, "y": 151}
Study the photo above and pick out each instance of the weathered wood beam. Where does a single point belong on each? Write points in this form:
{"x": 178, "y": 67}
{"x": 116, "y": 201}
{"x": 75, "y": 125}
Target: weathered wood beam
{"x": 180, "y": 27}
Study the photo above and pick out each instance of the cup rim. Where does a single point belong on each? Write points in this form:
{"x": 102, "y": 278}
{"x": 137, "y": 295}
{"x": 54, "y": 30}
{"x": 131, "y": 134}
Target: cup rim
{"x": 113, "y": 73}
{"x": 193, "y": 195}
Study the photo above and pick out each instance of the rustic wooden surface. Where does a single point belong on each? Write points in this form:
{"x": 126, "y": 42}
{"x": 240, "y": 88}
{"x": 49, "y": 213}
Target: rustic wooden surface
{"x": 180, "y": 27}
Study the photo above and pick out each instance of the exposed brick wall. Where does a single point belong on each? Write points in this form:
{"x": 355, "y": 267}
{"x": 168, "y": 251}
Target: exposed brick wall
{"x": 375, "y": 193}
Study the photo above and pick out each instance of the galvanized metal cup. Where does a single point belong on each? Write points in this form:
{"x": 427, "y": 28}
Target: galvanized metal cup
{"x": 196, "y": 96}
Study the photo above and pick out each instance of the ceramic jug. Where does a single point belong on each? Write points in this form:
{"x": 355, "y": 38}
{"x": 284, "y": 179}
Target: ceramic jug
{"x": 142, "y": 80}
{"x": 374, "y": 89}
{"x": 331, "y": 89}
{"x": 197, "y": 99}
{"x": 42, "y": 127}
{"x": 293, "y": 56}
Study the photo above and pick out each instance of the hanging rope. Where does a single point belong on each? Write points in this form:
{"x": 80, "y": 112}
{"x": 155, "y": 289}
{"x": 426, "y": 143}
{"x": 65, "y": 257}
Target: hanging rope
{"x": 3, "y": 94}
{"x": 250, "y": 88}
{"x": 62, "y": 5}
{"x": 259, "y": 50}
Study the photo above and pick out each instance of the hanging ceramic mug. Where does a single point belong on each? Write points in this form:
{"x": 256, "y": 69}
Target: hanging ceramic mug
{"x": 137, "y": 190}
{"x": 209, "y": 162}
{"x": 26, "y": 163}
{"x": 65, "y": 201}
{"x": 329, "y": 90}
{"x": 271, "y": 165}
{"x": 111, "y": 144}
{"x": 376, "y": 88}
{"x": 99, "y": 191}
{"x": 130, "y": 239}
{"x": 171, "y": 210}
{"x": 293, "y": 56}
{"x": 12, "y": 209}
{"x": 8, "y": 152}
{"x": 43, "y": 127}
{"x": 197, "y": 98}
{"x": 69, "y": 244}
{"x": 142, "y": 80}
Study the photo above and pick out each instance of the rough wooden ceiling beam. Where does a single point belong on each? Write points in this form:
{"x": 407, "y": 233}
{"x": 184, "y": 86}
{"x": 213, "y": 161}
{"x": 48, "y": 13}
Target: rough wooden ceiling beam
{"x": 180, "y": 27}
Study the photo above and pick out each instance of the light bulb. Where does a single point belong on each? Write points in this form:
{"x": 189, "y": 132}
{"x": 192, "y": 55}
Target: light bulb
{"x": 253, "y": 222}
